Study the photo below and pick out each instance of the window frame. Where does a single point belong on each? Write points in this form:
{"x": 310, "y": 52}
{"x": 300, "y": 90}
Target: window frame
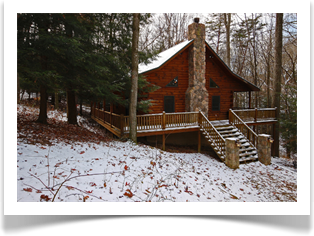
{"x": 214, "y": 106}
{"x": 176, "y": 85}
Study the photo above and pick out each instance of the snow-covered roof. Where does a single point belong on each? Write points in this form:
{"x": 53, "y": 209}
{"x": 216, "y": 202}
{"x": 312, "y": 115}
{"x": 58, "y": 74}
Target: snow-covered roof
{"x": 163, "y": 57}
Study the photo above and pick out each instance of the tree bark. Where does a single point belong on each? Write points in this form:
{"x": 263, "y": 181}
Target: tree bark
{"x": 71, "y": 107}
{"x": 134, "y": 79}
{"x": 42, "y": 118}
{"x": 278, "y": 64}
{"x": 227, "y": 21}
{"x": 18, "y": 88}
{"x": 56, "y": 100}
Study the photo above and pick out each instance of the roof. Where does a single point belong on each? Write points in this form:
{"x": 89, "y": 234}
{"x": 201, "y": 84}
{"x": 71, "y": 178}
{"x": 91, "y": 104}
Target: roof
{"x": 165, "y": 56}
{"x": 252, "y": 86}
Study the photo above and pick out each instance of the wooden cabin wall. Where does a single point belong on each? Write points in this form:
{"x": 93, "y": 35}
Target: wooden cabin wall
{"x": 178, "y": 66}
{"x": 226, "y": 84}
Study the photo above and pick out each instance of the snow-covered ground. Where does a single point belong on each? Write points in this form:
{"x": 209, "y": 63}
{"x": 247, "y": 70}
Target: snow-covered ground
{"x": 120, "y": 171}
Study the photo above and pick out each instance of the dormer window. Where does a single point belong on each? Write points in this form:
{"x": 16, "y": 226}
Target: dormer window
{"x": 173, "y": 83}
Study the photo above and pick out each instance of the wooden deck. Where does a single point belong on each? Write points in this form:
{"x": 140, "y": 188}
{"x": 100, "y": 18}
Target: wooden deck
{"x": 170, "y": 123}
{"x": 165, "y": 123}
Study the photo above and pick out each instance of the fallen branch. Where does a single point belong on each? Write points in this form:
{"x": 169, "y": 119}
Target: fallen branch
{"x": 68, "y": 179}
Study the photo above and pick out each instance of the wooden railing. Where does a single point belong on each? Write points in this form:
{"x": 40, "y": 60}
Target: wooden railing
{"x": 146, "y": 122}
{"x": 217, "y": 141}
{"x": 254, "y": 115}
{"x": 235, "y": 120}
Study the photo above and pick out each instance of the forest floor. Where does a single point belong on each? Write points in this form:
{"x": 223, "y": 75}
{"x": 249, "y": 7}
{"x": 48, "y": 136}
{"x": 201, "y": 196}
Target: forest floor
{"x": 62, "y": 162}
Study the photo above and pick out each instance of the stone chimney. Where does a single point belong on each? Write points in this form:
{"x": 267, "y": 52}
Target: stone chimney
{"x": 196, "y": 96}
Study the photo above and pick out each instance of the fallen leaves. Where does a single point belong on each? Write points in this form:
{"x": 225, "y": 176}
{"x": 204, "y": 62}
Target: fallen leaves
{"x": 32, "y": 132}
{"x": 128, "y": 193}
{"x": 152, "y": 163}
{"x": 44, "y": 198}
{"x": 28, "y": 189}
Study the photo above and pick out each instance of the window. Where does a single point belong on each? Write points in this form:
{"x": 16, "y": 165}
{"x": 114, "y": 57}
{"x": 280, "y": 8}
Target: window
{"x": 212, "y": 84}
{"x": 173, "y": 83}
{"x": 215, "y": 103}
{"x": 169, "y": 104}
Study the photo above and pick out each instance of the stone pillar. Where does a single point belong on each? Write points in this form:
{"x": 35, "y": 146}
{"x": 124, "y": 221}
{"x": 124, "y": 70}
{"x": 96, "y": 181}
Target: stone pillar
{"x": 196, "y": 96}
{"x": 232, "y": 153}
{"x": 264, "y": 149}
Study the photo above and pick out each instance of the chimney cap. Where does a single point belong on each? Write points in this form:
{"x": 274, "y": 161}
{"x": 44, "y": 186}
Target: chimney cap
{"x": 196, "y": 20}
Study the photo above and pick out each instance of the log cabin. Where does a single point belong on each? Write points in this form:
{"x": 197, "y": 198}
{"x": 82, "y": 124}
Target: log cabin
{"x": 192, "y": 77}
{"x": 194, "y": 100}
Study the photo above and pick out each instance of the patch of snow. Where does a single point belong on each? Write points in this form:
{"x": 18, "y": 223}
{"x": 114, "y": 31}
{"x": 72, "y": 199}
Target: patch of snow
{"x": 124, "y": 172}
{"x": 162, "y": 57}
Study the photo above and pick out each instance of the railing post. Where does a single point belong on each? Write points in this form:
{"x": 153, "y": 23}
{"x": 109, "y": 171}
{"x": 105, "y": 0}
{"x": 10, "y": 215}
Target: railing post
{"x": 199, "y": 118}
{"x": 264, "y": 149}
{"x": 232, "y": 153}
{"x": 163, "y": 120}
{"x": 255, "y": 118}
{"x": 230, "y": 121}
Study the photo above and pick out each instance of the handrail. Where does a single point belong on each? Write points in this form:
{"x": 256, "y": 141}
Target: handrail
{"x": 146, "y": 122}
{"x": 217, "y": 140}
{"x": 254, "y": 115}
{"x": 235, "y": 120}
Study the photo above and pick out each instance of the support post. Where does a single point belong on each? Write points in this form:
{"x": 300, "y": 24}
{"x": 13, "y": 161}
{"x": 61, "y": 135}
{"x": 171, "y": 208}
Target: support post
{"x": 264, "y": 148}
{"x": 232, "y": 153}
{"x": 163, "y": 142}
{"x": 250, "y": 99}
{"x": 199, "y": 141}
{"x": 163, "y": 120}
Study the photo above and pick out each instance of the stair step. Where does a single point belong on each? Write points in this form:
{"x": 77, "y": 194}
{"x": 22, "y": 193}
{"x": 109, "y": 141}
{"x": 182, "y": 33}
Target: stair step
{"x": 247, "y": 149}
{"x": 224, "y": 128}
{"x": 247, "y": 154}
{"x": 254, "y": 158}
{"x": 229, "y": 131}
{"x": 234, "y": 135}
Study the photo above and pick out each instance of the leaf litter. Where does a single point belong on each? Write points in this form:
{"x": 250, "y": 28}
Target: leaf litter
{"x": 96, "y": 168}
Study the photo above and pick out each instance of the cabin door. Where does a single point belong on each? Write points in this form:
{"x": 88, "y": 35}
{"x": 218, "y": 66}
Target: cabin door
{"x": 169, "y": 104}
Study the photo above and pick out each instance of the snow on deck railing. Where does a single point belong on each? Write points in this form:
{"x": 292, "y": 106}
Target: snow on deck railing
{"x": 148, "y": 122}
{"x": 253, "y": 115}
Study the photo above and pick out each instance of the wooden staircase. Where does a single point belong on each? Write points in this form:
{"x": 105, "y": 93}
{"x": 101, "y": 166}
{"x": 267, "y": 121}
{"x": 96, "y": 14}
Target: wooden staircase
{"x": 216, "y": 132}
{"x": 248, "y": 151}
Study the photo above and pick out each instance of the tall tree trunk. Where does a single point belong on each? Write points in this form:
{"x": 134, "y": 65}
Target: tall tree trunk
{"x": 227, "y": 21}
{"x": 278, "y": 64}
{"x": 42, "y": 118}
{"x": 18, "y": 88}
{"x": 134, "y": 85}
{"x": 56, "y": 100}
{"x": 71, "y": 107}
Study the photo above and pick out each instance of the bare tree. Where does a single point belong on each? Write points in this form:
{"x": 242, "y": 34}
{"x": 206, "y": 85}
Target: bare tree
{"x": 134, "y": 79}
{"x": 227, "y": 22}
{"x": 278, "y": 65}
